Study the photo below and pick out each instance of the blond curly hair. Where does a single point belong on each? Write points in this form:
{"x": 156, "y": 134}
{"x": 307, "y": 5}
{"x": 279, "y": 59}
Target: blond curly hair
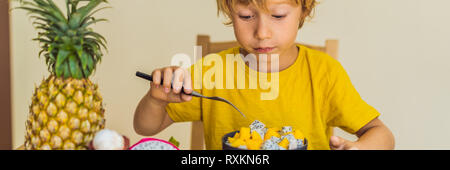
{"x": 226, "y": 7}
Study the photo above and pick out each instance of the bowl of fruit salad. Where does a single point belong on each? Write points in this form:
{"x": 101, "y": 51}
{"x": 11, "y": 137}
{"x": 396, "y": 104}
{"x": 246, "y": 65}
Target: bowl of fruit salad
{"x": 259, "y": 137}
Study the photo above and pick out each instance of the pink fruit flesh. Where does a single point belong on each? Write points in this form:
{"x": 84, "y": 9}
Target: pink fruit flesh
{"x": 152, "y": 139}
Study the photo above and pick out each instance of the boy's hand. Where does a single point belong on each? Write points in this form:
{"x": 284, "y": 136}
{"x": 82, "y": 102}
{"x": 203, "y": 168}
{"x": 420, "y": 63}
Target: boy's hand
{"x": 162, "y": 89}
{"x": 338, "y": 143}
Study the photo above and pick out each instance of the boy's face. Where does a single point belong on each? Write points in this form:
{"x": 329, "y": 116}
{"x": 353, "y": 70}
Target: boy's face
{"x": 272, "y": 32}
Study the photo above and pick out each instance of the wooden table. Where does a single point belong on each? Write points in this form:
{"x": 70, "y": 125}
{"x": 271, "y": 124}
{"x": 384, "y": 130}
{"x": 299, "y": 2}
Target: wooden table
{"x": 21, "y": 147}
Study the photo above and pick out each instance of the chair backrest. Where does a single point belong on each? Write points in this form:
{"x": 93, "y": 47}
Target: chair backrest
{"x": 208, "y": 47}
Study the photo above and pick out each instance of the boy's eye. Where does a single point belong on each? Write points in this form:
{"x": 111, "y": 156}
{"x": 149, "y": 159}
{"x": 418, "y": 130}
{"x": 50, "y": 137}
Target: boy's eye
{"x": 245, "y": 16}
{"x": 278, "y": 16}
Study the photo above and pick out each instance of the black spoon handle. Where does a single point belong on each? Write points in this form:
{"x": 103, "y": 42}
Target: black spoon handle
{"x": 150, "y": 78}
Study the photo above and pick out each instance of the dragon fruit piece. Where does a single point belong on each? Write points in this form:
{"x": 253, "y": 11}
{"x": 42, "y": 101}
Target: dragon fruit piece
{"x": 153, "y": 144}
{"x": 257, "y": 125}
{"x": 286, "y": 129}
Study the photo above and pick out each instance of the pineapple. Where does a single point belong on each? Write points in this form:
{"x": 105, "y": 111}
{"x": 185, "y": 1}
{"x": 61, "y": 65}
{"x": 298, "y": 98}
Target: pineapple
{"x": 66, "y": 109}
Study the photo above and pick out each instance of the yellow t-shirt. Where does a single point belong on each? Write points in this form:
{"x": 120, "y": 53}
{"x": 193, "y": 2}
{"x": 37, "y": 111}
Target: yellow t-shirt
{"x": 315, "y": 94}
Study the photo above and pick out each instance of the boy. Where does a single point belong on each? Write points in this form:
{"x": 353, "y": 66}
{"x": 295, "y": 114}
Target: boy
{"x": 313, "y": 92}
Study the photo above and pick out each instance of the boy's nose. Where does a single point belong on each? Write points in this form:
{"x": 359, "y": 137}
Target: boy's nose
{"x": 263, "y": 30}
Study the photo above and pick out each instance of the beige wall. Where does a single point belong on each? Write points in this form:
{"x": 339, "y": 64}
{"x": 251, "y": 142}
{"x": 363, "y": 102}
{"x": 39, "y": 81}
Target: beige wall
{"x": 394, "y": 51}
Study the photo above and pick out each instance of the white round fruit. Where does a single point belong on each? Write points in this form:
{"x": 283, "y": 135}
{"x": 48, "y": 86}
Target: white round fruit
{"x": 108, "y": 140}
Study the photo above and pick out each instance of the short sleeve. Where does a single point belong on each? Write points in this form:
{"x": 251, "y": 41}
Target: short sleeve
{"x": 347, "y": 109}
{"x": 186, "y": 111}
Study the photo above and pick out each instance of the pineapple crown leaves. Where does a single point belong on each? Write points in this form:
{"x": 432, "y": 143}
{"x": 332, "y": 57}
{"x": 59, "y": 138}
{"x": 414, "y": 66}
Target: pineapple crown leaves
{"x": 70, "y": 47}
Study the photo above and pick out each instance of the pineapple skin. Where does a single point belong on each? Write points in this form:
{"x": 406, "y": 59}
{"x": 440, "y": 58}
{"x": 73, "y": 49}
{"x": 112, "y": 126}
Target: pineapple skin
{"x": 64, "y": 114}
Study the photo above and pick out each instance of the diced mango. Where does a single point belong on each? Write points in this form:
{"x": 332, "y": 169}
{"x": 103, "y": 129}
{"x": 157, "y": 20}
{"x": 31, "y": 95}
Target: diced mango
{"x": 284, "y": 143}
{"x": 254, "y": 144}
{"x": 231, "y": 140}
{"x": 250, "y": 139}
{"x": 271, "y": 132}
{"x": 236, "y": 135}
{"x": 244, "y": 133}
{"x": 256, "y": 136}
{"x": 237, "y": 142}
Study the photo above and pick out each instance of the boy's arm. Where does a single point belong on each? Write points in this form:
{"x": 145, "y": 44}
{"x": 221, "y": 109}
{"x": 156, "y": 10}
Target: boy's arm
{"x": 374, "y": 135}
{"x": 151, "y": 116}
